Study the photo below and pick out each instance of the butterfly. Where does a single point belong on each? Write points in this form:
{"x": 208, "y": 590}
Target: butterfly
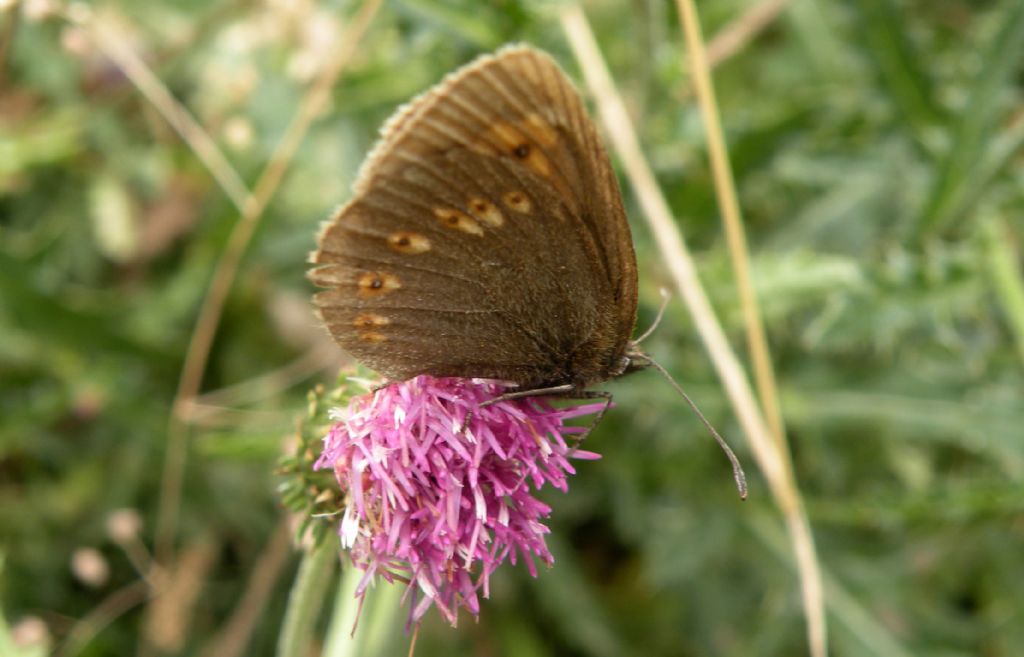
{"x": 486, "y": 238}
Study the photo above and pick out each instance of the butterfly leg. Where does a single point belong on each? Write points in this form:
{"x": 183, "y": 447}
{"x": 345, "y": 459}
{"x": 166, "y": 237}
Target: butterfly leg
{"x": 567, "y": 391}
{"x": 559, "y": 391}
{"x": 591, "y": 394}
{"x": 553, "y": 391}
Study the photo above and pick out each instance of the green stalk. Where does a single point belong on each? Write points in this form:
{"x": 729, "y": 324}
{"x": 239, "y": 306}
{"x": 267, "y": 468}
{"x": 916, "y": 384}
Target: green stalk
{"x": 378, "y": 623}
{"x": 307, "y": 598}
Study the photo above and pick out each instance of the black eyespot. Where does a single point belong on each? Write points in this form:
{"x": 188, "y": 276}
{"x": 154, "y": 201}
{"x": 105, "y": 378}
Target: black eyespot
{"x": 522, "y": 151}
{"x": 377, "y": 284}
{"x": 403, "y": 241}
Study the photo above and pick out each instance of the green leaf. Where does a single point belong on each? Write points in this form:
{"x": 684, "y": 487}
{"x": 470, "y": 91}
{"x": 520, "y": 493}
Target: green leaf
{"x": 899, "y": 64}
{"x": 959, "y": 173}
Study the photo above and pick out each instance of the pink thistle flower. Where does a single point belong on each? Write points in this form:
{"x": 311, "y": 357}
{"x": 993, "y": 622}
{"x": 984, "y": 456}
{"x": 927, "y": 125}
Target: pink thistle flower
{"x": 439, "y": 507}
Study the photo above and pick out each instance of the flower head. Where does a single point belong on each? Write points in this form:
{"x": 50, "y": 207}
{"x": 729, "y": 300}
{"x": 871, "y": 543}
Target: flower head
{"x": 439, "y": 502}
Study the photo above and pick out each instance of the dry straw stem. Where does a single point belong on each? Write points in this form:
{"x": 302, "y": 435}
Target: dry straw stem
{"x": 227, "y": 268}
{"x": 250, "y": 206}
{"x": 735, "y": 36}
{"x": 114, "y": 606}
{"x": 112, "y": 42}
{"x": 168, "y": 616}
{"x": 725, "y": 190}
{"x": 269, "y": 384}
{"x": 233, "y": 638}
{"x": 772, "y": 460}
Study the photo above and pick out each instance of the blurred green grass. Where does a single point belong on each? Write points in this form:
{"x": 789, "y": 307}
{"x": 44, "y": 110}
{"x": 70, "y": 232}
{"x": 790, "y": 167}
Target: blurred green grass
{"x": 877, "y": 146}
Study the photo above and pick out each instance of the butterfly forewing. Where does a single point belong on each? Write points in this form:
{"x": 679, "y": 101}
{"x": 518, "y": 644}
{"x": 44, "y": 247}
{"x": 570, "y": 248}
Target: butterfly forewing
{"x": 483, "y": 239}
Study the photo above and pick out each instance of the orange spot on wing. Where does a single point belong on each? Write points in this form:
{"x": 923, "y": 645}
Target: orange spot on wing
{"x": 376, "y": 283}
{"x": 518, "y": 201}
{"x": 486, "y": 212}
{"x": 408, "y": 243}
{"x": 370, "y": 320}
{"x": 458, "y": 220}
{"x": 520, "y": 140}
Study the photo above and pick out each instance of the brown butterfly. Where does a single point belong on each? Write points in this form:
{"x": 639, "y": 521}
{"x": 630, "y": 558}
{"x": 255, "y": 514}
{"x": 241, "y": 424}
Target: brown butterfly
{"x": 486, "y": 238}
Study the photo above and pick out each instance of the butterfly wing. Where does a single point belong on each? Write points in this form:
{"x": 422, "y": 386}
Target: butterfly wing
{"x": 486, "y": 237}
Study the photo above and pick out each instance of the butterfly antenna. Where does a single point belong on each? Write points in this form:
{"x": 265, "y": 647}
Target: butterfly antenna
{"x": 665, "y": 296}
{"x": 737, "y": 469}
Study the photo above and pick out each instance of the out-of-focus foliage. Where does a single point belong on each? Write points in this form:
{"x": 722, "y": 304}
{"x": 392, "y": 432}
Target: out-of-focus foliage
{"x": 877, "y": 146}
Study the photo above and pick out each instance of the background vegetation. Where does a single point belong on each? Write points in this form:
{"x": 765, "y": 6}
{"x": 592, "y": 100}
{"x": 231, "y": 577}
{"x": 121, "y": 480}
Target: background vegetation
{"x": 877, "y": 148}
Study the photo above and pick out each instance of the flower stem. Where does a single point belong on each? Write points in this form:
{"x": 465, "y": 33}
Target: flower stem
{"x": 377, "y": 622}
{"x": 306, "y": 599}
